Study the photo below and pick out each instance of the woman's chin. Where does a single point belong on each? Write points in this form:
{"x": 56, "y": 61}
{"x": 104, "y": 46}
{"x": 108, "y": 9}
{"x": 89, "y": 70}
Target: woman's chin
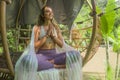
{"x": 51, "y": 18}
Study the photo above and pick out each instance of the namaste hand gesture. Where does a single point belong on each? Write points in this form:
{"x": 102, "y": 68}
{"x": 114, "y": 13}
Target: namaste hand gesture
{"x": 50, "y": 31}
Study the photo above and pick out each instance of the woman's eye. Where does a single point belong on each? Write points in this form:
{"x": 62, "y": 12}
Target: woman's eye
{"x": 47, "y": 11}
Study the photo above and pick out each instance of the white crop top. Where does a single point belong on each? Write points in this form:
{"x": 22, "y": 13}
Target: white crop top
{"x": 43, "y": 33}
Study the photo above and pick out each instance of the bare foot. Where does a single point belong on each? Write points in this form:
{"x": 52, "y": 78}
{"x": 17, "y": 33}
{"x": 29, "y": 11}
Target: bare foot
{"x": 51, "y": 61}
{"x": 55, "y": 65}
{"x": 59, "y": 66}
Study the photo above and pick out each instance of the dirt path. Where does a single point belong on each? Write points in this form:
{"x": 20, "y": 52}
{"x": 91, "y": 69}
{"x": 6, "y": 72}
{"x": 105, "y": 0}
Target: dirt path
{"x": 97, "y": 64}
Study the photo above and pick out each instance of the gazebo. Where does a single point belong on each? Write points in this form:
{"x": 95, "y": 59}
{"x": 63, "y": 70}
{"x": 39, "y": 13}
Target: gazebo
{"x": 21, "y": 12}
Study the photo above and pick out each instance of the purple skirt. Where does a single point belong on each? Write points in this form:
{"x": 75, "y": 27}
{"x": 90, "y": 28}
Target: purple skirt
{"x": 43, "y": 57}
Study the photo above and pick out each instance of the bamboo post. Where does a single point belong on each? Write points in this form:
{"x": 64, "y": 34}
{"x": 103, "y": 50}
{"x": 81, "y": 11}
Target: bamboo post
{"x": 93, "y": 33}
{"x": 89, "y": 4}
{"x": 3, "y": 33}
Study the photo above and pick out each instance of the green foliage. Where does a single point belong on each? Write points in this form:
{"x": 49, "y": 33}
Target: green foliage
{"x": 65, "y": 31}
{"x": 11, "y": 39}
{"x": 1, "y": 50}
{"x": 98, "y": 10}
{"x": 104, "y": 25}
{"x": 110, "y": 73}
{"x": 83, "y": 16}
{"x": 101, "y": 3}
{"x": 107, "y": 20}
{"x": 93, "y": 78}
{"x": 116, "y": 43}
{"x": 107, "y": 24}
{"x": 116, "y": 47}
{"x": 110, "y": 6}
{"x": 115, "y": 39}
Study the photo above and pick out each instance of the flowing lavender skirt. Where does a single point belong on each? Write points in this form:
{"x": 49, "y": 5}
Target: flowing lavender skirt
{"x": 43, "y": 57}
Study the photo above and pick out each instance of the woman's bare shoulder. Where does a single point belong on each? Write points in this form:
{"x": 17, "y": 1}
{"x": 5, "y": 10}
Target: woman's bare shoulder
{"x": 36, "y": 27}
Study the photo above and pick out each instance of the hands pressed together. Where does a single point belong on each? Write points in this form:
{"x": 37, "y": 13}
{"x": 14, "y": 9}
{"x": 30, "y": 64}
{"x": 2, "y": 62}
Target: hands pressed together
{"x": 55, "y": 36}
{"x": 50, "y": 32}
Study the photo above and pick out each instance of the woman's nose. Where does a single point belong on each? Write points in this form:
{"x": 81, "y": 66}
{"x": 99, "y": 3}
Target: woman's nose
{"x": 51, "y": 13}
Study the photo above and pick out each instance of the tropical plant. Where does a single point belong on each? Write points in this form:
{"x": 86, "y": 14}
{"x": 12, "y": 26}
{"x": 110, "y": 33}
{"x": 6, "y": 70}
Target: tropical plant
{"x": 116, "y": 48}
{"x": 107, "y": 23}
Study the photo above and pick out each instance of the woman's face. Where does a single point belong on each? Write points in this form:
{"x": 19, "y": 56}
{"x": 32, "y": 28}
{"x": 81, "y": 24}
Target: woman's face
{"x": 48, "y": 13}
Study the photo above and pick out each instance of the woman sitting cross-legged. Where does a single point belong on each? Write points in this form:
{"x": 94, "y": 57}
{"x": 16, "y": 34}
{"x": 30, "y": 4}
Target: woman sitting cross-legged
{"x": 47, "y": 50}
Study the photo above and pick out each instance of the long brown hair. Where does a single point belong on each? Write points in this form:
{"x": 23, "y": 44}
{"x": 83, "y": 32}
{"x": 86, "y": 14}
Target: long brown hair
{"x": 41, "y": 17}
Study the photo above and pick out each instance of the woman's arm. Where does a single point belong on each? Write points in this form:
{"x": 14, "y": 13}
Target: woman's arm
{"x": 38, "y": 43}
{"x": 58, "y": 39}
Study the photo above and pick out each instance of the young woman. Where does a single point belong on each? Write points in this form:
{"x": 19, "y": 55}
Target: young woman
{"x": 47, "y": 36}
{"x": 47, "y": 50}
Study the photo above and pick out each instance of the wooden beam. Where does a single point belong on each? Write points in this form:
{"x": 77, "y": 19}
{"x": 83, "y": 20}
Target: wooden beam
{"x": 89, "y": 4}
{"x": 5, "y": 70}
{"x": 7, "y": 1}
{"x": 86, "y": 59}
{"x": 4, "y": 35}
